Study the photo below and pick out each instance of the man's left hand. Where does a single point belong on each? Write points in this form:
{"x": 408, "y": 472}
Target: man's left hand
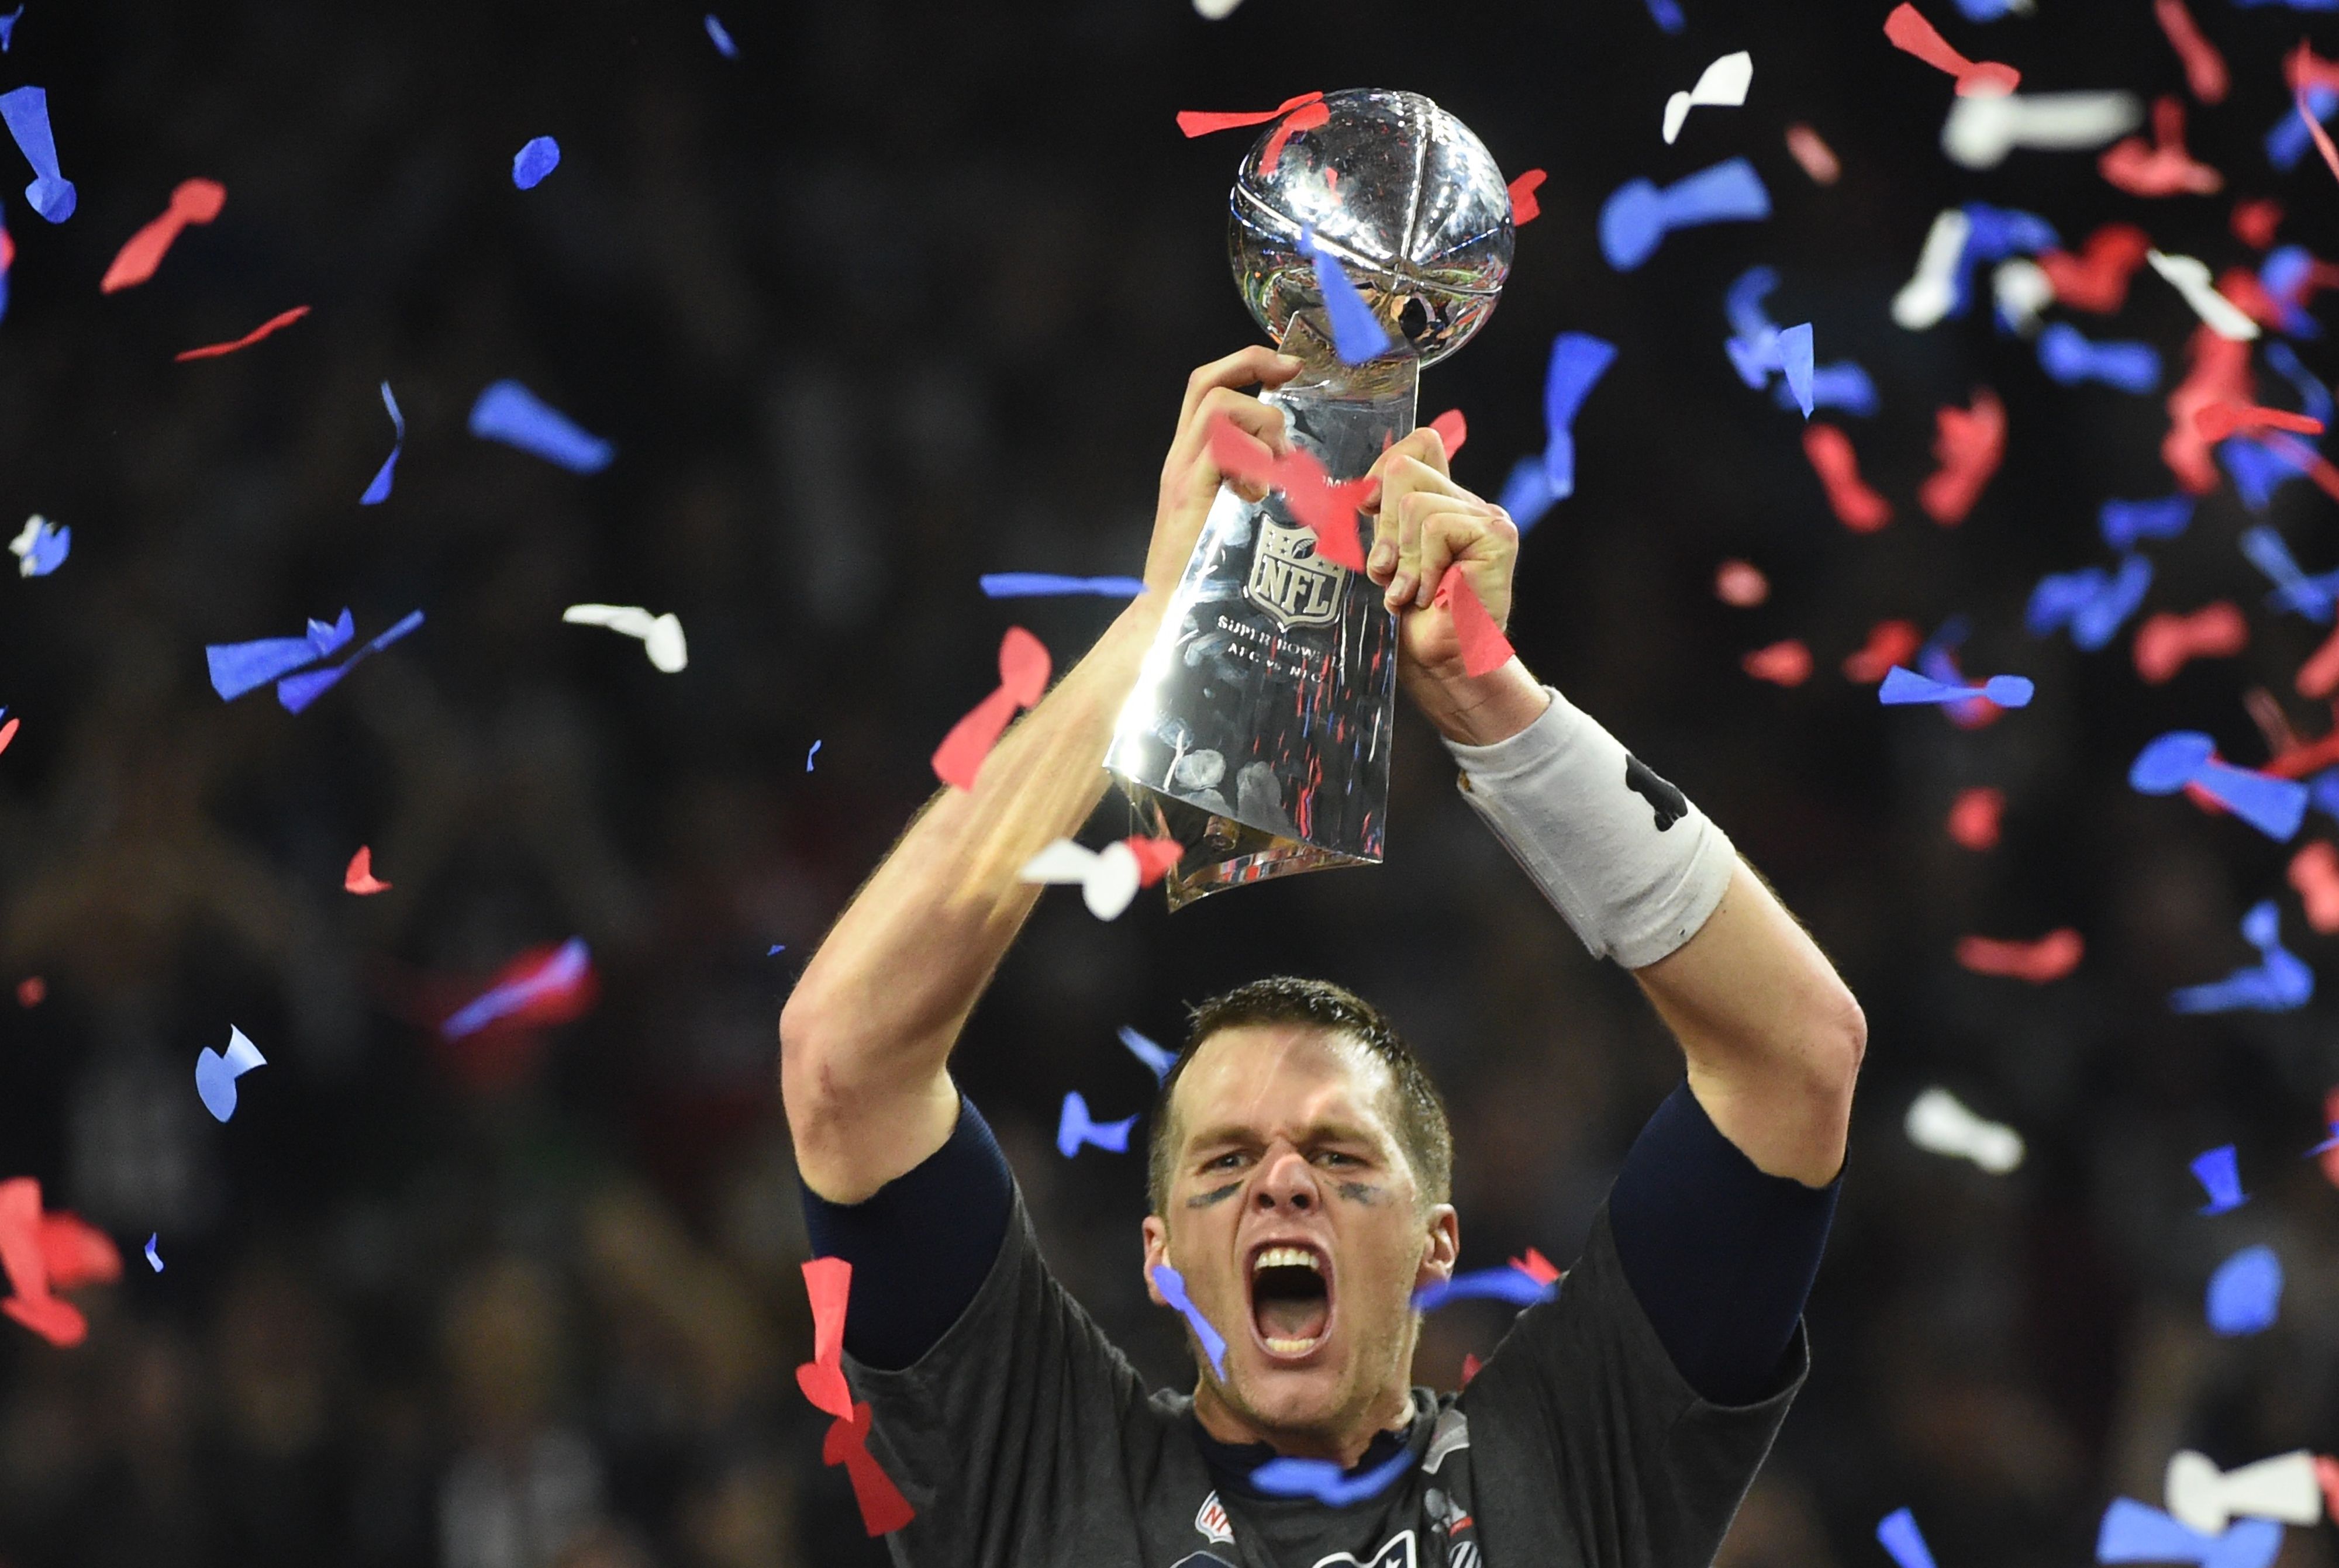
{"x": 1423, "y": 526}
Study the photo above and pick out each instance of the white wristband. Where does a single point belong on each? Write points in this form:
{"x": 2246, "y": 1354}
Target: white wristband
{"x": 1632, "y": 866}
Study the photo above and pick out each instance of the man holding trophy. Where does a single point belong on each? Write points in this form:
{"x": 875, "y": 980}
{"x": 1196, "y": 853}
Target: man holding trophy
{"x": 1301, "y": 1161}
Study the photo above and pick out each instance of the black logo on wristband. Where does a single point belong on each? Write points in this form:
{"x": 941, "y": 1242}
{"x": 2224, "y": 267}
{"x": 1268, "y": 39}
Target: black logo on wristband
{"x": 1669, "y": 804}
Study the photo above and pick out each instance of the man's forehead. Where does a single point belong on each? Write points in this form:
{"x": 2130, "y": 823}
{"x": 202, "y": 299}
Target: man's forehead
{"x": 1283, "y": 1073}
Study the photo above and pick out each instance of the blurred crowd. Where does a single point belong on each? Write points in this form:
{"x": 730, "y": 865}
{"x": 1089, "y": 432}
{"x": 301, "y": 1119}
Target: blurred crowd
{"x": 903, "y": 294}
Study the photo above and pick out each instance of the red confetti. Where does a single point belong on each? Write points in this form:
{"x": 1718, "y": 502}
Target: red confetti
{"x": 194, "y": 201}
{"x": 273, "y": 323}
{"x": 1911, "y": 33}
{"x": 1304, "y": 113}
{"x": 2160, "y": 167}
{"x": 2302, "y": 68}
{"x": 1537, "y": 1267}
{"x": 1889, "y": 643}
{"x": 1817, "y": 158}
{"x": 1974, "y": 817}
{"x": 1785, "y": 664}
{"x": 2255, "y": 221}
{"x": 1023, "y": 669}
{"x": 828, "y": 1281}
{"x": 1857, "y": 507}
{"x": 2220, "y": 374}
{"x": 2315, "y": 872}
{"x": 2318, "y": 467}
{"x": 2217, "y": 420}
{"x": 23, "y": 1254}
{"x": 1155, "y": 856}
{"x": 1485, "y": 649}
{"x": 1969, "y": 444}
{"x": 7, "y": 734}
{"x": 1470, "y": 1365}
{"x": 32, "y": 990}
{"x": 2319, "y": 675}
{"x": 2097, "y": 279}
{"x": 1525, "y": 208}
{"x": 2051, "y": 957}
{"x": 1740, "y": 583}
{"x": 883, "y": 1509}
{"x": 1452, "y": 429}
{"x": 77, "y": 1253}
{"x": 1328, "y": 508}
{"x": 360, "y": 878}
{"x": 2205, "y": 68}
{"x": 2165, "y": 643}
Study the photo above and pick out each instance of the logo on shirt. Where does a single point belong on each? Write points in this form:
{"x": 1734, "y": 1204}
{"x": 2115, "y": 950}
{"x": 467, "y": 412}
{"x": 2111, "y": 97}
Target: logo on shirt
{"x": 1396, "y": 1552}
{"x": 1212, "y": 1521}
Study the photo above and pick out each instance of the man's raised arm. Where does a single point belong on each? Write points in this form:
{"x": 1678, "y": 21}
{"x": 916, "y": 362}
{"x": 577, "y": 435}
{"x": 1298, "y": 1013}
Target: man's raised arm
{"x": 866, "y": 1036}
{"x": 1773, "y": 1036}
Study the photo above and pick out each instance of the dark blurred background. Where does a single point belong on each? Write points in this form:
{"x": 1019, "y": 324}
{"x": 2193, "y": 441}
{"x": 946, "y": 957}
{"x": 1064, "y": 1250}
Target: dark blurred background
{"x": 903, "y": 294}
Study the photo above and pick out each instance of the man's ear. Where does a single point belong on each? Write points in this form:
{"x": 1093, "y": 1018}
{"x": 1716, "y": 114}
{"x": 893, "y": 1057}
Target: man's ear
{"x": 1156, "y": 1251}
{"x": 1440, "y": 1249}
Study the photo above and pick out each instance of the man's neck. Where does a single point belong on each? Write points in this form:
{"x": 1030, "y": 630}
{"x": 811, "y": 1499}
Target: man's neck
{"x": 1343, "y": 1443}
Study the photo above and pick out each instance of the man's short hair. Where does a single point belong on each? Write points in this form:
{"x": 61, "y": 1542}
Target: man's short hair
{"x": 1422, "y": 1128}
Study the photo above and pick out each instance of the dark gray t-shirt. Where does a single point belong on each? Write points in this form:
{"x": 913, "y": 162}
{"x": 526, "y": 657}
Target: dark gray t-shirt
{"x": 1023, "y": 1438}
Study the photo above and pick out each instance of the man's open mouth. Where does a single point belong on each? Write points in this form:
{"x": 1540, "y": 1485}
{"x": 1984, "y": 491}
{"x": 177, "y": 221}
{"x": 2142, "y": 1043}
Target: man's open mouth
{"x": 1290, "y": 1299}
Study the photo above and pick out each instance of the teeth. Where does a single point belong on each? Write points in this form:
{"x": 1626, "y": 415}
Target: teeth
{"x": 1292, "y": 1346}
{"x": 1287, "y": 1257}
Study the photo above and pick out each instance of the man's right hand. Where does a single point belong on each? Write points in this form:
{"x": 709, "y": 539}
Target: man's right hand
{"x": 1189, "y": 480}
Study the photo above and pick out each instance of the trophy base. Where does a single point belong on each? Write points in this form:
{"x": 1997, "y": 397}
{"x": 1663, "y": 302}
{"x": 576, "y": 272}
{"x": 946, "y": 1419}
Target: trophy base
{"x": 1221, "y": 852}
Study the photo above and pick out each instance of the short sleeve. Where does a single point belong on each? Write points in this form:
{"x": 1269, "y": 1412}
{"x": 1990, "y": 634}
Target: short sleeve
{"x": 1647, "y": 1473}
{"x": 1013, "y": 1435}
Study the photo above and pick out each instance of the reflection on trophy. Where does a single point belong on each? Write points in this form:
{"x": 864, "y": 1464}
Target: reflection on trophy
{"x": 1258, "y": 735}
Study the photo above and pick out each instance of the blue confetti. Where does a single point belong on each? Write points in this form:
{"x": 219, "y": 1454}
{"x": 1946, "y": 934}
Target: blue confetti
{"x": 2279, "y": 981}
{"x": 2313, "y": 597}
{"x": 1505, "y": 1284}
{"x": 1843, "y": 386}
{"x": 2126, "y": 522}
{"x": 721, "y": 36}
{"x": 41, "y": 547}
{"x": 810, "y": 754}
{"x": 1667, "y": 16}
{"x": 1153, "y": 1056}
{"x": 1578, "y": 360}
{"x": 1526, "y": 493}
{"x": 510, "y": 413}
{"x": 2092, "y": 602}
{"x": 2134, "y": 1531}
{"x": 1897, "y": 1531}
{"x": 1172, "y": 1286}
{"x": 8, "y": 28}
{"x": 1795, "y": 360}
{"x": 1637, "y": 215}
{"x": 239, "y": 667}
{"x": 1902, "y": 687}
{"x": 295, "y": 692}
{"x": 215, "y": 1074}
{"x": 153, "y": 1257}
{"x": 1357, "y": 334}
{"x": 2274, "y": 806}
{"x": 533, "y": 162}
{"x": 2284, "y": 276}
{"x": 1043, "y": 584}
{"x": 2220, "y": 1176}
{"x": 1075, "y": 1127}
{"x": 27, "y": 112}
{"x": 2069, "y": 358}
{"x": 2287, "y": 143}
{"x": 2245, "y": 1293}
{"x": 777, "y": 948}
{"x": 1993, "y": 235}
{"x": 1324, "y": 1480}
{"x": 568, "y": 966}
{"x": 378, "y": 491}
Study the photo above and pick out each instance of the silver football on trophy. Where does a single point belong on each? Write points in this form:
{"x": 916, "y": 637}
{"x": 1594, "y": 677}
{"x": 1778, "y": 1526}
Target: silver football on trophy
{"x": 1257, "y": 732}
{"x": 1402, "y": 193}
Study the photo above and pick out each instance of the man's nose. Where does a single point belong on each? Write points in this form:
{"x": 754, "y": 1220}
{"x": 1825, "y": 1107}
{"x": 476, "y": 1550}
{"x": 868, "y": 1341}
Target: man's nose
{"x": 1286, "y": 1181}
